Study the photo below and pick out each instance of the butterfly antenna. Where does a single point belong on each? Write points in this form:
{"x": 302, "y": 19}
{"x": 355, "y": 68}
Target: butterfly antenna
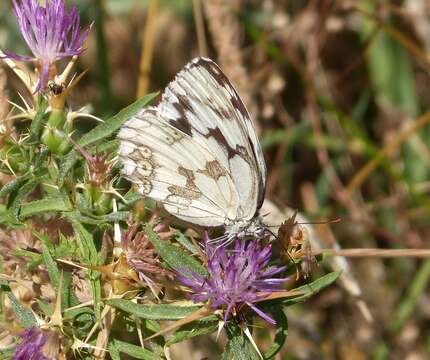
{"x": 320, "y": 222}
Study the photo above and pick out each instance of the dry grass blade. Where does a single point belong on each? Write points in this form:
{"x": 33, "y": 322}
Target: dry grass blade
{"x": 147, "y": 49}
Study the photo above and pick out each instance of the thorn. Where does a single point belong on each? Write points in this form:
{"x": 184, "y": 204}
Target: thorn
{"x": 249, "y": 336}
{"x": 221, "y": 324}
{"x": 57, "y": 318}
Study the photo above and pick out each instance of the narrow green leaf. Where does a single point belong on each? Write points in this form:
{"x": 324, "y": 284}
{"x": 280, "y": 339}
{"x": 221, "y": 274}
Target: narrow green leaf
{"x": 280, "y": 334}
{"x": 39, "y": 161}
{"x": 204, "y": 326}
{"x": 53, "y": 204}
{"x": 24, "y": 316}
{"x": 134, "y": 351}
{"x": 39, "y": 118}
{"x": 113, "y": 351}
{"x": 311, "y": 289}
{"x": 174, "y": 255}
{"x": 12, "y": 185}
{"x": 238, "y": 346}
{"x": 89, "y": 256}
{"x": 16, "y": 201}
{"x": 7, "y": 354}
{"x": 153, "y": 311}
{"x": 26, "y": 253}
{"x": 111, "y": 125}
{"x": 186, "y": 243}
{"x": 53, "y": 272}
{"x": 97, "y": 220}
{"x": 68, "y": 297}
{"x": 66, "y": 166}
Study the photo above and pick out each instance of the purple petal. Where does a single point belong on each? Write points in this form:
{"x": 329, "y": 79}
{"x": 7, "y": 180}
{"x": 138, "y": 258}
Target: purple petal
{"x": 262, "y": 314}
{"x": 16, "y": 57}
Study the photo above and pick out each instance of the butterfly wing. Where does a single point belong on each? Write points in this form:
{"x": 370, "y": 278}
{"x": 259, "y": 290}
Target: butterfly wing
{"x": 202, "y": 103}
{"x": 169, "y": 166}
{"x": 197, "y": 151}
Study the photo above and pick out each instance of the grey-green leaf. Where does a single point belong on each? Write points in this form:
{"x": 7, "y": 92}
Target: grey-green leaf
{"x": 238, "y": 346}
{"x": 174, "y": 255}
{"x": 111, "y": 125}
{"x": 116, "y": 347}
{"x": 311, "y": 289}
{"x": 204, "y": 326}
{"x": 24, "y": 316}
{"x": 153, "y": 311}
{"x": 48, "y": 205}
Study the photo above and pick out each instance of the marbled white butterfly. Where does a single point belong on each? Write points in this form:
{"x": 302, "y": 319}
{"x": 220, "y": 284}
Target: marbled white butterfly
{"x": 198, "y": 154}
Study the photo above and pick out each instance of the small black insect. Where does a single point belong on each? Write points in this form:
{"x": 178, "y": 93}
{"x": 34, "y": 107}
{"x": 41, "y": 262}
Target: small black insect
{"x": 55, "y": 88}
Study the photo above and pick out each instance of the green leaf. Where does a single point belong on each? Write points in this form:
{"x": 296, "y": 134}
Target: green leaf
{"x": 20, "y": 194}
{"x": 204, "y": 326}
{"x": 66, "y": 166}
{"x": 89, "y": 256}
{"x": 311, "y": 289}
{"x": 52, "y": 204}
{"x": 153, "y": 311}
{"x": 174, "y": 255}
{"x": 7, "y": 354}
{"x": 24, "y": 316}
{"x": 238, "y": 346}
{"x": 26, "y": 253}
{"x": 97, "y": 220}
{"x": 280, "y": 334}
{"x": 130, "y": 198}
{"x": 68, "y": 297}
{"x": 12, "y": 185}
{"x": 111, "y": 125}
{"x": 39, "y": 118}
{"x": 116, "y": 347}
{"x": 113, "y": 351}
{"x": 186, "y": 243}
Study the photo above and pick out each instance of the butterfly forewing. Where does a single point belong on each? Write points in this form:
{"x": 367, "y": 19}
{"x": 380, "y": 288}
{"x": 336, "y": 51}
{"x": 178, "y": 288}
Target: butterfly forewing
{"x": 197, "y": 151}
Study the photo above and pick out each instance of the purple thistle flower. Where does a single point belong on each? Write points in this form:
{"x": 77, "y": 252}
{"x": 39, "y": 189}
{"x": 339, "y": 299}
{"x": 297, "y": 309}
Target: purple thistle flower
{"x": 51, "y": 32}
{"x": 32, "y": 344}
{"x": 236, "y": 277}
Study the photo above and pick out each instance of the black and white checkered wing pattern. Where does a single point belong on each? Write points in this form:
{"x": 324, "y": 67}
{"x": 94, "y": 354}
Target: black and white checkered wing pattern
{"x": 197, "y": 151}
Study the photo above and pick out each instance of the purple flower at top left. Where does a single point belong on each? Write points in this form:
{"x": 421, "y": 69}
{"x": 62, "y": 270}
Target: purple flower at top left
{"x": 52, "y": 32}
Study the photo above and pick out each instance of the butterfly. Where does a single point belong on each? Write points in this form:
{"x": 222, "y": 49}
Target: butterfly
{"x": 197, "y": 153}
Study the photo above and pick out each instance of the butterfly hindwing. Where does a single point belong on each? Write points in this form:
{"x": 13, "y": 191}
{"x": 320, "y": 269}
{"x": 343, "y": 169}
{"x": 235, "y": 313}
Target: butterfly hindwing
{"x": 168, "y": 166}
{"x": 202, "y": 102}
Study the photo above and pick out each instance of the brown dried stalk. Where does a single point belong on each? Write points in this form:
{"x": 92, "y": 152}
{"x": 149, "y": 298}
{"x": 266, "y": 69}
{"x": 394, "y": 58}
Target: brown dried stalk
{"x": 4, "y": 108}
{"x": 147, "y": 49}
{"x": 225, "y": 31}
{"x": 371, "y": 252}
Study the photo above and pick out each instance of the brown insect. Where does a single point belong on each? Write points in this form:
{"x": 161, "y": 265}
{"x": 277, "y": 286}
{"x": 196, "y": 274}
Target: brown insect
{"x": 295, "y": 245}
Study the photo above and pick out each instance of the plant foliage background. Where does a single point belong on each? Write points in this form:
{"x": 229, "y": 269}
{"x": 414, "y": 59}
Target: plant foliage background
{"x": 338, "y": 91}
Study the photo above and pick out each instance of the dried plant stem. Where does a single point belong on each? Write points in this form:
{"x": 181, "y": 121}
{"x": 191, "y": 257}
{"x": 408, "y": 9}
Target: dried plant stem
{"x": 371, "y": 252}
{"x": 4, "y": 105}
{"x": 364, "y": 172}
{"x": 147, "y": 49}
{"x": 200, "y": 28}
{"x": 225, "y": 29}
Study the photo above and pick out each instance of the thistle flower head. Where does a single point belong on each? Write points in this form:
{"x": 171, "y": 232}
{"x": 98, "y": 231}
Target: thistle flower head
{"x": 236, "y": 277}
{"x": 140, "y": 253}
{"x": 37, "y": 344}
{"x": 52, "y": 32}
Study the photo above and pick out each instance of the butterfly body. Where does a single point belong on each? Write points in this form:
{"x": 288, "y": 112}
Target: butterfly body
{"x": 198, "y": 154}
